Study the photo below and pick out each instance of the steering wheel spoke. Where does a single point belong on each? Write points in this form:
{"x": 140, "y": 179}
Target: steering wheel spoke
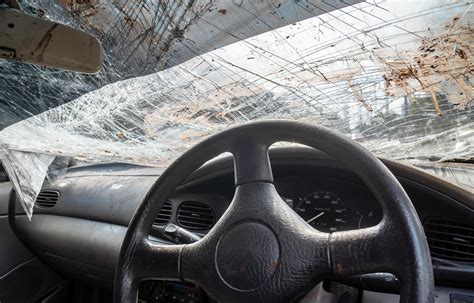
{"x": 159, "y": 262}
{"x": 362, "y": 251}
{"x": 251, "y": 161}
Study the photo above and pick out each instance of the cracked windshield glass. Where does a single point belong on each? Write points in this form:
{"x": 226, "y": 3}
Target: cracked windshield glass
{"x": 396, "y": 76}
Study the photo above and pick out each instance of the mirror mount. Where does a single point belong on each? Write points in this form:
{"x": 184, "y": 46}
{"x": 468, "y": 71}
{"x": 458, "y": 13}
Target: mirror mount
{"x": 42, "y": 42}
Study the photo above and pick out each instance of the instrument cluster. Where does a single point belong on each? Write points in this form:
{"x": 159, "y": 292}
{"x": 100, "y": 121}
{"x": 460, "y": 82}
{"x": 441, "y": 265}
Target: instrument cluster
{"x": 330, "y": 208}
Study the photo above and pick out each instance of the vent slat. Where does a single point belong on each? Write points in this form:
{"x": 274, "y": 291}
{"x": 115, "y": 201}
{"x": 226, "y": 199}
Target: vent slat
{"x": 192, "y": 224}
{"x": 195, "y": 220}
{"x": 164, "y": 216}
{"x": 164, "y": 213}
{"x": 195, "y": 215}
{"x": 47, "y": 198}
{"x": 444, "y": 249}
{"x": 188, "y": 214}
{"x": 196, "y": 208}
{"x": 450, "y": 240}
{"x": 436, "y": 233}
{"x": 460, "y": 228}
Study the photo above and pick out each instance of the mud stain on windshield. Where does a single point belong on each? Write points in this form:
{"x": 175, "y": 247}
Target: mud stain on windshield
{"x": 442, "y": 64}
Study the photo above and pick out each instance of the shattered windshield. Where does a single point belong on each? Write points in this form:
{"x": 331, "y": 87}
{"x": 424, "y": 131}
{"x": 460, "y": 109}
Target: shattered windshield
{"x": 397, "y": 76}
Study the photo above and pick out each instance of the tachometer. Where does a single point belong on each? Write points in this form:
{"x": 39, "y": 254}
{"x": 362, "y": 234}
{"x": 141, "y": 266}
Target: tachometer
{"x": 323, "y": 210}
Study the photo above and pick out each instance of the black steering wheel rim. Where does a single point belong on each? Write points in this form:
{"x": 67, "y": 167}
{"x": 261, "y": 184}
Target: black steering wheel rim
{"x": 296, "y": 256}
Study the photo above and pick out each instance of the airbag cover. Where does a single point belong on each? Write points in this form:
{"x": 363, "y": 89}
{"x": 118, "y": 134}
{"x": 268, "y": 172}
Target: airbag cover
{"x": 247, "y": 256}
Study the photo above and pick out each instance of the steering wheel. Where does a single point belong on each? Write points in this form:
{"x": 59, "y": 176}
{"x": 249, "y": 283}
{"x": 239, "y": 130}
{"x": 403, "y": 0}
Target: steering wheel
{"x": 260, "y": 250}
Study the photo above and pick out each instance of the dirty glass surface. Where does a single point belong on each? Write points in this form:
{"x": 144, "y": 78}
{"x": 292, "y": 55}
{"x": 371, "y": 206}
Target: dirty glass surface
{"x": 396, "y": 76}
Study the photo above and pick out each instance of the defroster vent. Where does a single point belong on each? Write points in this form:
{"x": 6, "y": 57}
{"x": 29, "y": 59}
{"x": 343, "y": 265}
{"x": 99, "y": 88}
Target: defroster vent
{"x": 450, "y": 240}
{"x": 195, "y": 215}
{"x": 47, "y": 198}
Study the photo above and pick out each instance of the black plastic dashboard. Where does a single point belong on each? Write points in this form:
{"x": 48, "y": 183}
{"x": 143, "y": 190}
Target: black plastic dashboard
{"x": 81, "y": 235}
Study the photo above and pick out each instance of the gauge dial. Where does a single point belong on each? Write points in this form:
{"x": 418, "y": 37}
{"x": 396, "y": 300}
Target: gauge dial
{"x": 323, "y": 210}
{"x": 367, "y": 218}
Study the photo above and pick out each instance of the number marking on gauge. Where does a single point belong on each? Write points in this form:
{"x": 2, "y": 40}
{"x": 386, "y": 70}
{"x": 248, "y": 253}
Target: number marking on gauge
{"x": 323, "y": 210}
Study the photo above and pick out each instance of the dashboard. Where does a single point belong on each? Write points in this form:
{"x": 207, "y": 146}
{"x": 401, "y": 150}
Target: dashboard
{"x": 79, "y": 229}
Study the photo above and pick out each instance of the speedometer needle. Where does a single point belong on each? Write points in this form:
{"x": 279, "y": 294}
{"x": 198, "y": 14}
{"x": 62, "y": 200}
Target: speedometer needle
{"x": 315, "y": 217}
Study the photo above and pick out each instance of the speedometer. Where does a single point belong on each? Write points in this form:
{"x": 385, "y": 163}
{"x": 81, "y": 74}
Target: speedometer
{"x": 323, "y": 210}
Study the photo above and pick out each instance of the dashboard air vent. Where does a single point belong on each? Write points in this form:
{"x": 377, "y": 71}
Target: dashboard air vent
{"x": 450, "y": 240}
{"x": 164, "y": 217}
{"x": 195, "y": 215}
{"x": 47, "y": 198}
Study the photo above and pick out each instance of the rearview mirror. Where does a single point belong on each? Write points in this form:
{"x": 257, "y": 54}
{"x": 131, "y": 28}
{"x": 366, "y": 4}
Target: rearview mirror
{"x": 38, "y": 41}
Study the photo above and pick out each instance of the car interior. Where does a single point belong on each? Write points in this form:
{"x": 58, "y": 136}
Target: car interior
{"x": 70, "y": 250}
{"x": 267, "y": 181}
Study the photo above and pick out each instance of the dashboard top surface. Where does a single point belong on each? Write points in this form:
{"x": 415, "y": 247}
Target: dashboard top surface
{"x": 311, "y": 182}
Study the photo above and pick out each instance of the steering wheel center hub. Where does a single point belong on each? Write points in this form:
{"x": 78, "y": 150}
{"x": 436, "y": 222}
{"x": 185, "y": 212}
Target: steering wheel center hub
{"x": 247, "y": 256}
